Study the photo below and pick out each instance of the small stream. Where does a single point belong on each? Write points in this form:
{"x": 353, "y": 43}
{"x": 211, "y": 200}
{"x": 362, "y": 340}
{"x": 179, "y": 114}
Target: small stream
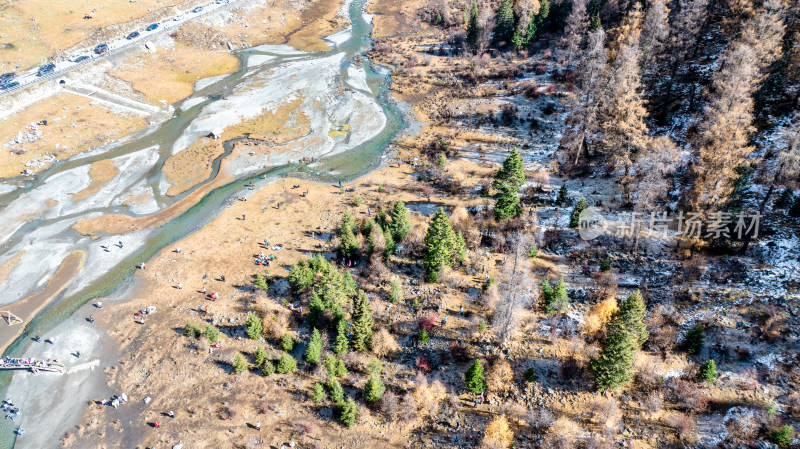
{"x": 340, "y": 166}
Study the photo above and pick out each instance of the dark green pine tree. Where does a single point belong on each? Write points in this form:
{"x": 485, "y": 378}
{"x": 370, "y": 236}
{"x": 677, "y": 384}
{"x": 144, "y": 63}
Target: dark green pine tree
{"x": 562, "y": 195}
{"x": 341, "y": 345}
{"x": 314, "y": 349}
{"x": 507, "y": 203}
{"x": 253, "y": 326}
{"x": 460, "y": 252}
{"x": 785, "y": 200}
{"x": 517, "y": 41}
{"x": 239, "y": 364}
{"x": 794, "y": 211}
{"x": 508, "y": 181}
{"x": 625, "y": 333}
{"x": 504, "y": 22}
{"x": 474, "y": 379}
{"x": 439, "y": 245}
{"x": 401, "y": 222}
{"x": 708, "y": 371}
{"x": 348, "y": 412}
{"x": 315, "y": 309}
{"x": 473, "y": 28}
{"x": 374, "y": 389}
{"x": 544, "y": 12}
{"x": 613, "y": 367}
{"x": 362, "y": 322}
{"x": 631, "y": 316}
{"x": 530, "y": 31}
{"x": 574, "y": 219}
{"x": 391, "y": 246}
{"x": 512, "y": 172}
{"x": 261, "y": 356}
{"x": 348, "y": 245}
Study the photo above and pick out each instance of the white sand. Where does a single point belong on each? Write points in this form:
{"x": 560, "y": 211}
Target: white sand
{"x": 257, "y": 60}
{"x": 52, "y": 404}
{"x": 191, "y": 102}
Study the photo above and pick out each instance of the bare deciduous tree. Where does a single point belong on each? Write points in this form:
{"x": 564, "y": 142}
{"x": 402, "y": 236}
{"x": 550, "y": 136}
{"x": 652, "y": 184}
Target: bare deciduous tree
{"x": 582, "y": 122}
{"x": 516, "y": 289}
{"x": 575, "y": 30}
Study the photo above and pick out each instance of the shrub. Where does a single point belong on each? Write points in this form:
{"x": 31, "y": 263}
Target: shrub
{"x": 428, "y": 321}
{"x": 533, "y": 252}
{"x": 336, "y": 391}
{"x": 474, "y": 378}
{"x": 287, "y": 342}
{"x": 268, "y": 369}
{"x": 384, "y": 344}
{"x": 555, "y": 299}
{"x": 500, "y": 377}
{"x": 318, "y": 393}
{"x": 211, "y": 333}
{"x": 348, "y": 412}
{"x": 287, "y": 364}
{"x": 423, "y": 364}
{"x": 605, "y": 265}
{"x": 498, "y": 434}
{"x": 423, "y": 337}
{"x": 396, "y": 290}
{"x": 783, "y": 435}
{"x": 192, "y": 330}
{"x": 708, "y": 371}
{"x": 530, "y": 374}
{"x": 239, "y": 363}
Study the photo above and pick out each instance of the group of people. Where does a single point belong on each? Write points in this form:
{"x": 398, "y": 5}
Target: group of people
{"x": 10, "y": 409}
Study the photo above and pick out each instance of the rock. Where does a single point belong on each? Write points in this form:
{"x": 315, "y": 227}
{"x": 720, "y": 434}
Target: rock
{"x": 147, "y": 399}
{"x": 178, "y": 446}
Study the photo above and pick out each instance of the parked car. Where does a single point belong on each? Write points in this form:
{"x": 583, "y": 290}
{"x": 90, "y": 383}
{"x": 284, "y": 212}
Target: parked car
{"x": 152, "y": 27}
{"x": 101, "y": 49}
{"x": 7, "y": 76}
{"x": 45, "y": 69}
{"x": 219, "y": 2}
{"x": 9, "y": 85}
{"x": 81, "y": 58}
{"x": 198, "y": 9}
{"x": 133, "y": 35}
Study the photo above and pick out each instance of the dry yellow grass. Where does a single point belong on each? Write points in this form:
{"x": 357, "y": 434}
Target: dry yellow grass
{"x": 72, "y": 125}
{"x": 8, "y": 266}
{"x": 285, "y": 124}
{"x": 320, "y": 20}
{"x": 37, "y": 28}
{"x": 170, "y": 74}
{"x": 101, "y": 173}
{"x": 191, "y": 166}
